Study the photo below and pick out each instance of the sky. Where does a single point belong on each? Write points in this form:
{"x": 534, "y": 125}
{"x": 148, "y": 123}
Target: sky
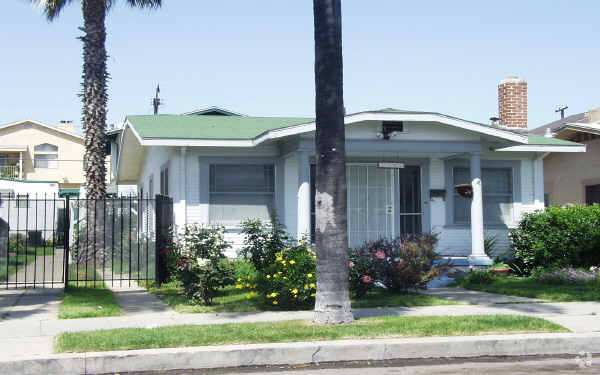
{"x": 257, "y": 57}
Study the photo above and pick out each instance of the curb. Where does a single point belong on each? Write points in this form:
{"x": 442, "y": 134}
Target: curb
{"x": 304, "y": 353}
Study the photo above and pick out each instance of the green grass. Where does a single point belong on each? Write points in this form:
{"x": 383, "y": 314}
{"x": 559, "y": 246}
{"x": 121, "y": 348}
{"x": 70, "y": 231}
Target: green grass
{"x": 21, "y": 259}
{"x": 527, "y": 287}
{"x": 230, "y": 299}
{"x": 88, "y": 299}
{"x": 290, "y": 331}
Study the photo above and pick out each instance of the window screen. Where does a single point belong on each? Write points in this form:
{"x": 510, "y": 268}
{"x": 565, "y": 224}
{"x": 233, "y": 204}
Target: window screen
{"x": 239, "y": 192}
{"x": 497, "y": 195}
{"x": 46, "y": 161}
{"x": 164, "y": 181}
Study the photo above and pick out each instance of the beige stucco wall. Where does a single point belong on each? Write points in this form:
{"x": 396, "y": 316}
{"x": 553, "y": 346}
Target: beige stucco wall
{"x": 70, "y": 153}
{"x": 566, "y": 175}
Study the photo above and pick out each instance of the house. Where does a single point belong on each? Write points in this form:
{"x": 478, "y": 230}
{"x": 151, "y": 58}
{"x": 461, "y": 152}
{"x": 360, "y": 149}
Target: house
{"x": 402, "y": 166}
{"x": 573, "y": 178}
{"x": 31, "y": 151}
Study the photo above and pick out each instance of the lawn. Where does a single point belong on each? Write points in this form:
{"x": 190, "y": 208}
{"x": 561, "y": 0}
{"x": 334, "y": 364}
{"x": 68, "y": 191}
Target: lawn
{"x": 230, "y": 299}
{"x": 21, "y": 259}
{"x": 290, "y": 331}
{"x": 87, "y": 299}
{"x": 527, "y": 287}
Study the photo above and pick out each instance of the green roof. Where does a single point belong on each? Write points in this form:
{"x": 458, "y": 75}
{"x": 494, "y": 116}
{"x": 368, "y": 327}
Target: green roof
{"x": 209, "y": 127}
{"x": 547, "y": 141}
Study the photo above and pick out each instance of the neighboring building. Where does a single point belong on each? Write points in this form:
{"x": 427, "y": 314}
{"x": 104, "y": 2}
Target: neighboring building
{"x": 31, "y": 151}
{"x": 402, "y": 167}
{"x": 573, "y": 178}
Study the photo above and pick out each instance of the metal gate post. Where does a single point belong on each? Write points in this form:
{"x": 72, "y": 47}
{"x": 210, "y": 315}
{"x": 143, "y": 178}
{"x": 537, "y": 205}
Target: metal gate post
{"x": 157, "y": 241}
{"x": 67, "y": 240}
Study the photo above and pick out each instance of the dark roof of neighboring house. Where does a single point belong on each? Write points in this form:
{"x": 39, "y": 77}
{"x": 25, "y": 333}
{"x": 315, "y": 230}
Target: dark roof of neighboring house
{"x": 579, "y": 117}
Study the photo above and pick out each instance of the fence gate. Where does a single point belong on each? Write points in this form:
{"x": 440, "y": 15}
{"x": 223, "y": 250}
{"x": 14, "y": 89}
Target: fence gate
{"x": 56, "y": 242}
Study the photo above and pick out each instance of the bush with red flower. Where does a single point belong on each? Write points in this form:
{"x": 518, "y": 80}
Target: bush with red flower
{"x": 398, "y": 264}
{"x": 197, "y": 259}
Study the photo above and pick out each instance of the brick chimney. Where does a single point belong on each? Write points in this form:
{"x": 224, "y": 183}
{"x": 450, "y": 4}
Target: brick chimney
{"x": 512, "y": 103}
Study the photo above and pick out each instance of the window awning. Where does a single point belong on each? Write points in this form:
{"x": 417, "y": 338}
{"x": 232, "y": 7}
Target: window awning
{"x": 63, "y": 192}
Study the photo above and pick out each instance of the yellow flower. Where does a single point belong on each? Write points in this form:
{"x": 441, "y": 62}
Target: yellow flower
{"x": 274, "y": 302}
{"x": 313, "y": 294}
{"x": 288, "y": 248}
{"x": 278, "y": 254}
{"x": 250, "y": 295}
{"x": 309, "y": 275}
{"x": 283, "y": 262}
{"x": 312, "y": 285}
{"x": 268, "y": 276}
{"x": 308, "y": 250}
{"x": 279, "y": 259}
{"x": 238, "y": 280}
{"x": 239, "y": 286}
{"x": 248, "y": 277}
{"x": 285, "y": 277}
{"x": 275, "y": 276}
{"x": 314, "y": 257}
{"x": 279, "y": 272}
{"x": 247, "y": 285}
{"x": 295, "y": 291}
{"x": 292, "y": 261}
{"x": 306, "y": 286}
{"x": 268, "y": 296}
{"x": 273, "y": 294}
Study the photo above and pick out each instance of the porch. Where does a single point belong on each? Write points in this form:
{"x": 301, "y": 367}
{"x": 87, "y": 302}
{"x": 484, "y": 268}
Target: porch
{"x": 11, "y": 162}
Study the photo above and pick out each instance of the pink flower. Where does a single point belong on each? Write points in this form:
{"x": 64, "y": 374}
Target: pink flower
{"x": 351, "y": 264}
{"x": 380, "y": 254}
{"x": 366, "y": 279}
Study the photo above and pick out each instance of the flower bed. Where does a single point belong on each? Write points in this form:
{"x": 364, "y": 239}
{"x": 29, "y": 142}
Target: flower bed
{"x": 568, "y": 275}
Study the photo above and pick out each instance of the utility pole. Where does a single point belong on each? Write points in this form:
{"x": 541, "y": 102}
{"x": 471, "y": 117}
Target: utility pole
{"x": 561, "y": 109}
{"x": 156, "y": 101}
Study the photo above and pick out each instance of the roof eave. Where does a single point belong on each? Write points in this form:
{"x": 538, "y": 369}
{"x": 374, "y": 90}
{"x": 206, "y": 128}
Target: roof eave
{"x": 543, "y": 148}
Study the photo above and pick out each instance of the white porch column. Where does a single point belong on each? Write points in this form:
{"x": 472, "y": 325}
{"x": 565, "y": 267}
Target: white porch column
{"x": 477, "y": 256}
{"x": 303, "y": 195}
{"x": 20, "y": 165}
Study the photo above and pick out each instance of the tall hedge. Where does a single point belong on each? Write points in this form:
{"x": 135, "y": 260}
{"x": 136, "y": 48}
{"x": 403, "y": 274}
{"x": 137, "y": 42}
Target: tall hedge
{"x": 559, "y": 236}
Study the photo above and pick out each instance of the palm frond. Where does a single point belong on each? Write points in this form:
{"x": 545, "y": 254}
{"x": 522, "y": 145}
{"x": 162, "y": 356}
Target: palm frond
{"x": 144, "y": 3}
{"x": 51, "y": 8}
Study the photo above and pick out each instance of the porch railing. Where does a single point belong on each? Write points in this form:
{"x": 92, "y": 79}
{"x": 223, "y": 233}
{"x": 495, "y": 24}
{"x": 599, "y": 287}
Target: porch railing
{"x": 9, "y": 171}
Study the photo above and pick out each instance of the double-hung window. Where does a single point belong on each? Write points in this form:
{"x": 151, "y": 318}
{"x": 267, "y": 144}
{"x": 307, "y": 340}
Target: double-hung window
{"x": 45, "y": 156}
{"x": 498, "y": 198}
{"x": 241, "y": 191}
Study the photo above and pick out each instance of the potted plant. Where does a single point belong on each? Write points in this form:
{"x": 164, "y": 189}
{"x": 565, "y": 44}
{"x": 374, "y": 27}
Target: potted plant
{"x": 464, "y": 190}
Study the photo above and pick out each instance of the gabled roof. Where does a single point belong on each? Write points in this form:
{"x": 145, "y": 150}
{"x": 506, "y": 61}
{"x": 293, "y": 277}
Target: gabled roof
{"x": 214, "y": 110}
{"x": 246, "y": 131}
{"x": 554, "y": 125}
{"x": 22, "y": 122}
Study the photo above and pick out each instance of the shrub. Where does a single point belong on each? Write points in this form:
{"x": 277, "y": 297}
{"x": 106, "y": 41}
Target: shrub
{"x": 262, "y": 241}
{"x": 479, "y": 277}
{"x": 290, "y": 281}
{"x": 398, "y": 264}
{"x": 567, "y": 275}
{"x": 16, "y": 242}
{"x": 200, "y": 262}
{"x": 558, "y": 236}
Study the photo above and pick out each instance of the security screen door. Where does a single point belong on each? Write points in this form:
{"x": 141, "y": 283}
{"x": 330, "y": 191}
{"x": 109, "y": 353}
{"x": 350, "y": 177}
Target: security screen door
{"x": 382, "y": 202}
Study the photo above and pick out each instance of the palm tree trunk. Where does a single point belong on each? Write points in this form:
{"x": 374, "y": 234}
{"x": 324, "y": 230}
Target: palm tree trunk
{"x": 94, "y": 95}
{"x": 332, "y": 305}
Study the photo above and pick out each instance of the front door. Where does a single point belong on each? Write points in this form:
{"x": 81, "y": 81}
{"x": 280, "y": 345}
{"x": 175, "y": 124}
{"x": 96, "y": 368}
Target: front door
{"x": 381, "y": 202}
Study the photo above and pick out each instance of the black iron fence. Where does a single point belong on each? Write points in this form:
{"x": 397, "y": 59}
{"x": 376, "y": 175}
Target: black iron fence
{"x": 51, "y": 241}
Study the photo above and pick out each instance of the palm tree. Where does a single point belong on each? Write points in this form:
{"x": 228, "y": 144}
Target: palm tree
{"x": 94, "y": 94}
{"x": 332, "y": 304}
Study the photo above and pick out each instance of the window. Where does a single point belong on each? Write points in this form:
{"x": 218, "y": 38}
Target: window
{"x": 164, "y": 180}
{"x": 150, "y": 187}
{"x": 6, "y": 195}
{"x": 45, "y": 156}
{"x": 592, "y": 194}
{"x": 22, "y": 201}
{"x": 239, "y": 192}
{"x": 497, "y": 195}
